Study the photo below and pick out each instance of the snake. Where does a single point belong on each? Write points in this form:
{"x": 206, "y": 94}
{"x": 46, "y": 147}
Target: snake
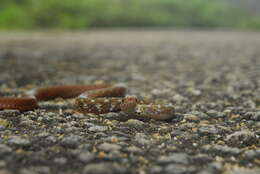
{"x": 92, "y": 98}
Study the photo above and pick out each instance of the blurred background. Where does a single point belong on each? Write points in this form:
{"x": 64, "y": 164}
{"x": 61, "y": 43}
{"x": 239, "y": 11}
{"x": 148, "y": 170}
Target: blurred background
{"x": 90, "y": 14}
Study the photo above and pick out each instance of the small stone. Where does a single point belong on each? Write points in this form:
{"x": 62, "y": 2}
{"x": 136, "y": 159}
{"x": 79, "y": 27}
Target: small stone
{"x": 133, "y": 149}
{"x": 4, "y": 150}
{"x": 107, "y": 147}
{"x": 215, "y": 114}
{"x": 180, "y": 158}
{"x": 141, "y": 139}
{"x": 252, "y": 116}
{"x": 86, "y": 157}
{"x": 135, "y": 123}
{"x": 201, "y": 115}
{"x": 178, "y": 169}
{"x": 10, "y": 113}
{"x": 26, "y": 122}
{"x": 195, "y": 92}
{"x": 205, "y": 171}
{"x": 201, "y": 159}
{"x": 3, "y": 171}
{"x": 179, "y": 98}
{"x": 35, "y": 170}
{"x": 252, "y": 154}
{"x": 18, "y": 141}
{"x": 155, "y": 170}
{"x": 256, "y": 116}
{"x": 3, "y": 123}
{"x": 2, "y": 164}
{"x": 222, "y": 150}
{"x": 156, "y": 92}
{"x": 116, "y": 116}
{"x": 244, "y": 171}
{"x": 60, "y": 160}
{"x": 97, "y": 128}
{"x": 101, "y": 168}
{"x": 43, "y": 134}
{"x": 215, "y": 166}
{"x": 191, "y": 117}
{"x": 50, "y": 140}
{"x": 208, "y": 129}
{"x": 71, "y": 141}
{"x": 242, "y": 138}
{"x": 114, "y": 155}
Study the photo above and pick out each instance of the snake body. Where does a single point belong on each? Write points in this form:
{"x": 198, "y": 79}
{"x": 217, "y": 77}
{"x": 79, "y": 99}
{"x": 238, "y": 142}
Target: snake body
{"x": 89, "y": 102}
{"x": 96, "y": 99}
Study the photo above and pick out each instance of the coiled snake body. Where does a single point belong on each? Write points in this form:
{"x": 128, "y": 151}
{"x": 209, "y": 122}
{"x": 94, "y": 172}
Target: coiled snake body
{"x": 96, "y": 99}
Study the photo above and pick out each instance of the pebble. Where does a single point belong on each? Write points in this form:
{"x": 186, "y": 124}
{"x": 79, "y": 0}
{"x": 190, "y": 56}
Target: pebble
{"x": 180, "y": 158}
{"x": 201, "y": 159}
{"x": 195, "y": 92}
{"x": 116, "y": 116}
{"x": 134, "y": 149}
{"x": 155, "y": 169}
{"x": 201, "y": 115}
{"x": 4, "y": 150}
{"x": 60, "y": 160}
{"x": 214, "y": 167}
{"x": 107, "y": 168}
{"x": 50, "y": 140}
{"x": 252, "y": 154}
{"x": 179, "y": 98}
{"x": 256, "y": 116}
{"x": 205, "y": 171}
{"x": 3, "y": 171}
{"x": 98, "y": 128}
{"x": 244, "y": 171}
{"x": 215, "y": 114}
{"x": 135, "y": 123}
{"x": 2, "y": 164}
{"x": 191, "y": 117}
{"x": 18, "y": 141}
{"x": 107, "y": 147}
{"x": 222, "y": 150}
{"x": 26, "y": 122}
{"x": 71, "y": 141}
{"x": 86, "y": 157}
{"x": 242, "y": 138}
{"x": 9, "y": 113}
{"x": 4, "y": 124}
{"x": 141, "y": 138}
{"x": 208, "y": 130}
{"x": 179, "y": 169}
{"x": 35, "y": 170}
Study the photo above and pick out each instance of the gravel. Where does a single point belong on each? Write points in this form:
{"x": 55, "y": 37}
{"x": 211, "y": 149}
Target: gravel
{"x": 211, "y": 78}
{"x": 101, "y": 168}
{"x": 181, "y": 158}
{"x": 107, "y": 147}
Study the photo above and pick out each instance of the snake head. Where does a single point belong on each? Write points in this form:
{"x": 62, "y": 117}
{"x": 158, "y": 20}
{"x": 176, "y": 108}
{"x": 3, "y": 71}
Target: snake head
{"x": 128, "y": 105}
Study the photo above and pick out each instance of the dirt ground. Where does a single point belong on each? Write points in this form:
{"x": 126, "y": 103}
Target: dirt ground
{"x": 211, "y": 77}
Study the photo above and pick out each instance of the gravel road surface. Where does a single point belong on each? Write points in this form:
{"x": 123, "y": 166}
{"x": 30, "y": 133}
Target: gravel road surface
{"x": 211, "y": 77}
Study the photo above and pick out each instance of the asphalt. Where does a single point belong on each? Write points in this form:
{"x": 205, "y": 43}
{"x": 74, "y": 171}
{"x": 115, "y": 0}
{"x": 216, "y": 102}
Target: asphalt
{"x": 211, "y": 77}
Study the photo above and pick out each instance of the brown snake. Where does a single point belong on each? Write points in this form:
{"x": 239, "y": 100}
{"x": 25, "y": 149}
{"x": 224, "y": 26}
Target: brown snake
{"x": 96, "y": 99}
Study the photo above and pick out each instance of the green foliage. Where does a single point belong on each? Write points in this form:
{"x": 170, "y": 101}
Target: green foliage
{"x": 82, "y": 14}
